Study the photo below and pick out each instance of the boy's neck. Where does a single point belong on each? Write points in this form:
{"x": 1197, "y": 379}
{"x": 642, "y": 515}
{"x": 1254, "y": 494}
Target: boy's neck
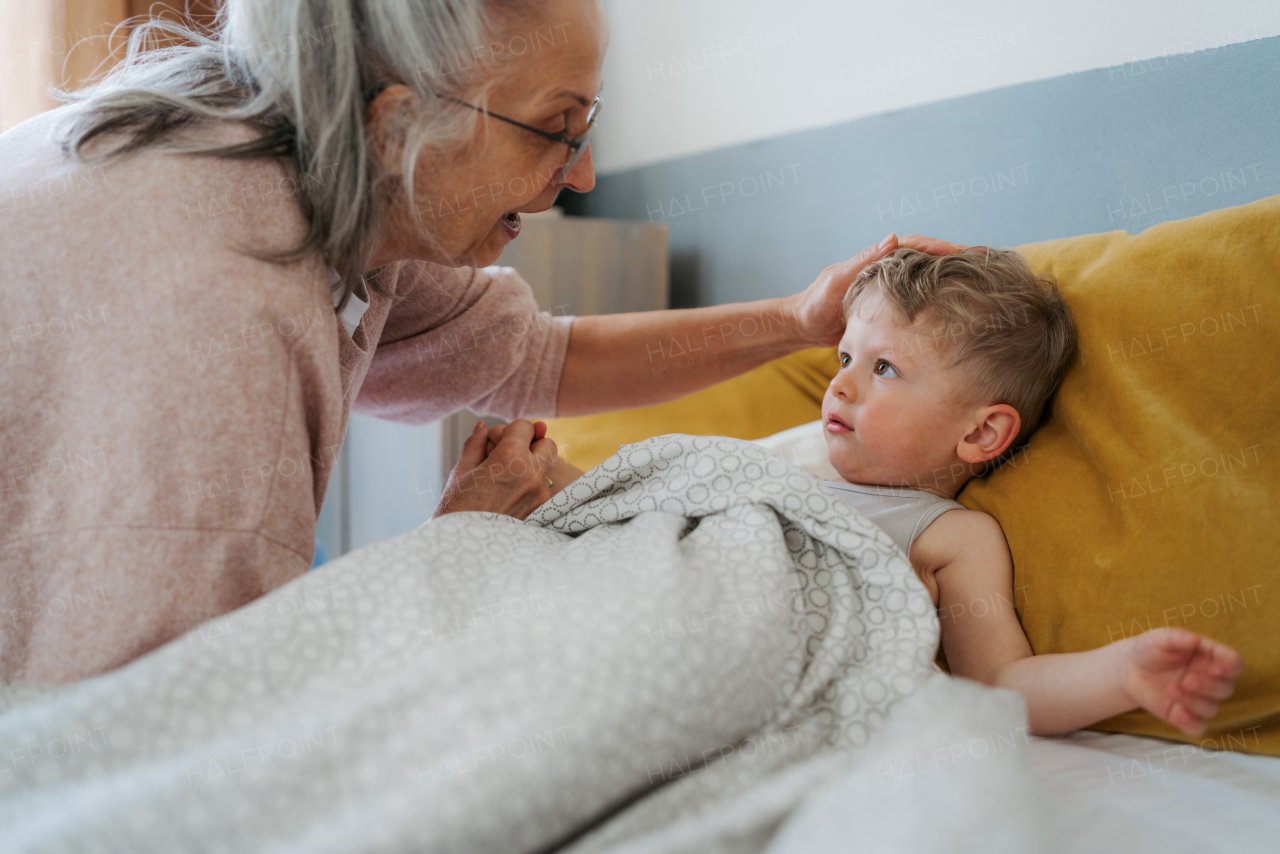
{"x": 919, "y": 486}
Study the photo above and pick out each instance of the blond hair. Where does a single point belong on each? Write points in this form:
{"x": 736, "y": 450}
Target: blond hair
{"x": 1007, "y": 327}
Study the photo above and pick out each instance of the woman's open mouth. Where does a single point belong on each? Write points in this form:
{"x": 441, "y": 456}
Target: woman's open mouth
{"x": 511, "y": 222}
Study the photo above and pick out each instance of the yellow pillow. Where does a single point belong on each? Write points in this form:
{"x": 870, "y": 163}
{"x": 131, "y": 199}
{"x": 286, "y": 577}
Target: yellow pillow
{"x": 1148, "y": 498}
{"x": 1148, "y": 495}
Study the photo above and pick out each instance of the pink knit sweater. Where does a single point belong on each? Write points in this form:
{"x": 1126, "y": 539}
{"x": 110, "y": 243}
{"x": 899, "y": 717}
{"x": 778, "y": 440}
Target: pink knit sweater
{"x": 172, "y": 407}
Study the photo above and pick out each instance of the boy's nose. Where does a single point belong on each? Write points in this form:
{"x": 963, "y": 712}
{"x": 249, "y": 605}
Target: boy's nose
{"x": 844, "y": 388}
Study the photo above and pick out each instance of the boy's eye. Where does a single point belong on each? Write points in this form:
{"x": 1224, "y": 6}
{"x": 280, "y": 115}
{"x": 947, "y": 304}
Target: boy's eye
{"x": 845, "y": 360}
{"x": 884, "y": 369}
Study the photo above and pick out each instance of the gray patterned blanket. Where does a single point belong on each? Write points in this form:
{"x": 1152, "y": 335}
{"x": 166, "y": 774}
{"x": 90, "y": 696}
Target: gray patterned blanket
{"x": 686, "y": 641}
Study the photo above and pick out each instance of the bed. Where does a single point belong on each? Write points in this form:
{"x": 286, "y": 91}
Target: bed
{"x": 485, "y": 684}
{"x": 1147, "y": 498}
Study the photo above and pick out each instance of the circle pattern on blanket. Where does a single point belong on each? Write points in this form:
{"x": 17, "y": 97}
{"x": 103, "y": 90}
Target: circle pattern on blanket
{"x": 689, "y": 597}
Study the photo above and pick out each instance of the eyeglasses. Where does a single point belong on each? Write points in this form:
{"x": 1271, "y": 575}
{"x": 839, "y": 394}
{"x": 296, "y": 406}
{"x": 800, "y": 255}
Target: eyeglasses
{"x": 577, "y": 146}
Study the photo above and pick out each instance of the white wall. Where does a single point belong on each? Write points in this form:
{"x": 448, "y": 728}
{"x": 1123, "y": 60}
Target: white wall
{"x": 26, "y": 67}
{"x": 684, "y": 76}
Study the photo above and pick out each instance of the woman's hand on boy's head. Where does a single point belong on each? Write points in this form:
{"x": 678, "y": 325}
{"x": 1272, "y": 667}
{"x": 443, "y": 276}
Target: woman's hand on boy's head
{"x": 818, "y": 312}
{"x": 932, "y": 245}
{"x": 818, "y": 309}
{"x": 1180, "y": 676}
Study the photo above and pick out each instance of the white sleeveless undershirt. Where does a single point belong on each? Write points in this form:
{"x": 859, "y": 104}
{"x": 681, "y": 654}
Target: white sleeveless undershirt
{"x": 903, "y": 514}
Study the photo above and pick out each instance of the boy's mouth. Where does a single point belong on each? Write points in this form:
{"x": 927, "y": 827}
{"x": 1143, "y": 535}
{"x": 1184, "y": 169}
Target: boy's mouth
{"x": 835, "y": 425}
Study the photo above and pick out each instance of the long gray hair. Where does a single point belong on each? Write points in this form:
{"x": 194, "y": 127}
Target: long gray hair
{"x": 300, "y": 73}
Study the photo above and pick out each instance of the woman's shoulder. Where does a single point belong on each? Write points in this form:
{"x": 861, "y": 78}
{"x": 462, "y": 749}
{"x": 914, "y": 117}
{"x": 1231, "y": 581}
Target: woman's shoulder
{"x": 173, "y": 196}
{"x": 170, "y": 232}
{"x": 434, "y": 295}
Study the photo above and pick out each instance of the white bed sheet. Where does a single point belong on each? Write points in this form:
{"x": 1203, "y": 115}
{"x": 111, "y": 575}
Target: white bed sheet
{"x": 1133, "y": 794}
{"x": 942, "y": 783}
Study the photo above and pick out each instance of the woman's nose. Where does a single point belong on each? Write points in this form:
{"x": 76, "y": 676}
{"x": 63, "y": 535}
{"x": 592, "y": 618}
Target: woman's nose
{"x": 582, "y": 177}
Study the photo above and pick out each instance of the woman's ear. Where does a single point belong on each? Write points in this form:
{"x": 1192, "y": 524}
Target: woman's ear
{"x": 387, "y": 124}
{"x": 998, "y": 427}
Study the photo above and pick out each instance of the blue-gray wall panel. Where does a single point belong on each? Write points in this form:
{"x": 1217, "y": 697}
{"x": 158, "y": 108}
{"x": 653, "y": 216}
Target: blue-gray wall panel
{"x": 1119, "y": 148}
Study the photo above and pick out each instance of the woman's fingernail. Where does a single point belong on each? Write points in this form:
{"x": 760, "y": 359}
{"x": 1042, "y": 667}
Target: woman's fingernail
{"x": 479, "y": 426}
{"x": 884, "y": 243}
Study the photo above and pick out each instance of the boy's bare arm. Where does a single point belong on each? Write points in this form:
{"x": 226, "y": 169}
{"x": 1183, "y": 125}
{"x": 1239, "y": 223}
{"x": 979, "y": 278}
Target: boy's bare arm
{"x": 1175, "y": 674}
{"x": 1172, "y": 673}
{"x": 974, "y": 574}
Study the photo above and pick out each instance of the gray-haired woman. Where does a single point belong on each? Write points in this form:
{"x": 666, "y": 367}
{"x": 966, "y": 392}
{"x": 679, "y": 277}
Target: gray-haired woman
{"x": 211, "y": 257}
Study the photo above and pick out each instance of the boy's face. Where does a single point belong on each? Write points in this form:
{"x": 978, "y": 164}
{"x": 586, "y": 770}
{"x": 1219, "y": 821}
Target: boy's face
{"x": 895, "y": 413}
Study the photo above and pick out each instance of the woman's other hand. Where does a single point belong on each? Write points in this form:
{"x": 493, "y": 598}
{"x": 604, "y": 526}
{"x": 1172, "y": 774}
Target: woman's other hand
{"x": 496, "y": 431}
{"x": 818, "y": 307}
{"x": 508, "y": 478}
{"x": 562, "y": 473}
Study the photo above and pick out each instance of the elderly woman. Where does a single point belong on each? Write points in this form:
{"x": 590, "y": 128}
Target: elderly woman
{"x": 213, "y": 256}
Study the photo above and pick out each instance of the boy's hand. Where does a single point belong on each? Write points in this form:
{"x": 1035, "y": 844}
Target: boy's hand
{"x": 1179, "y": 676}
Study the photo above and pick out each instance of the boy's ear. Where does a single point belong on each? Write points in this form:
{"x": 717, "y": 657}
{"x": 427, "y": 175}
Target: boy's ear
{"x": 998, "y": 427}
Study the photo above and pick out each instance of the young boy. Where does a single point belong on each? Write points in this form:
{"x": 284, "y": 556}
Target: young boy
{"x": 945, "y": 367}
